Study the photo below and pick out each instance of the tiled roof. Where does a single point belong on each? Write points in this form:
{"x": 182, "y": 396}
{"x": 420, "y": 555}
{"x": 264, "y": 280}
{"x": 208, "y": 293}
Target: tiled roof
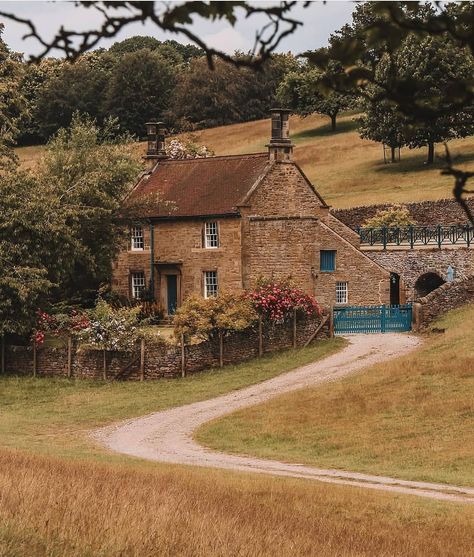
{"x": 199, "y": 187}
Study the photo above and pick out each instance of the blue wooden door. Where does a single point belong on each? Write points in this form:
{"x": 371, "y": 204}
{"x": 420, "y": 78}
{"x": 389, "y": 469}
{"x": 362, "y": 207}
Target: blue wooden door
{"x": 172, "y": 290}
{"x": 372, "y": 319}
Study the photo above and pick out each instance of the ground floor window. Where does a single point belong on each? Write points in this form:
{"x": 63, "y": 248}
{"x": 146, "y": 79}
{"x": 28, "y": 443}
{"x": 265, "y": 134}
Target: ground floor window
{"x": 138, "y": 284}
{"x": 341, "y": 292}
{"x": 211, "y": 285}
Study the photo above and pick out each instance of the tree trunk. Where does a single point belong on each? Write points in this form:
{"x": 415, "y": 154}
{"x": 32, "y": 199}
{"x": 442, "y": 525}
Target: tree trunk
{"x": 392, "y": 151}
{"x": 333, "y": 122}
{"x": 430, "y": 159}
{"x": 104, "y": 362}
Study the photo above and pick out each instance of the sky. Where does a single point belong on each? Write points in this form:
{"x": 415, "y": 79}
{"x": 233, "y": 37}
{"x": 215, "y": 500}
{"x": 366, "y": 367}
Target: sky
{"x": 319, "y": 21}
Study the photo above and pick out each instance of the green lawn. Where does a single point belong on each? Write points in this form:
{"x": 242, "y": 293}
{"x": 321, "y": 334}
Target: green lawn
{"x": 411, "y": 418}
{"x": 50, "y": 415}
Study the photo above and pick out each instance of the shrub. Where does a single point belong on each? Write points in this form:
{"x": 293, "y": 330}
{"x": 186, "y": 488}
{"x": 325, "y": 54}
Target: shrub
{"x": 277, "y": 302}
{"x": 212, "y": 317}
{"x": 60, "y": 324}
{"x": 396, "y": 216}
{"x": 111, "y": 329}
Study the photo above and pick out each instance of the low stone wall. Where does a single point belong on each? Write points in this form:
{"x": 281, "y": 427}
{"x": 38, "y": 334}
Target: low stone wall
{"x": 425, "y": 213}
{"x": 448, "y": 296}
{"x": 161, "y": 359}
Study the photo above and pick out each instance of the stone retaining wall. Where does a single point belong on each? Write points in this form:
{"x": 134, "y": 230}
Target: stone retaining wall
{"x": 425, "y": 213}
{"x": 161, "y": 359}
{"x": 448, "y": 296}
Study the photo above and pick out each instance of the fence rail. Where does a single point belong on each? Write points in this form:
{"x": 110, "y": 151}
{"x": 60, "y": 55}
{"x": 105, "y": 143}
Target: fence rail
{"x": 412, "y": 236}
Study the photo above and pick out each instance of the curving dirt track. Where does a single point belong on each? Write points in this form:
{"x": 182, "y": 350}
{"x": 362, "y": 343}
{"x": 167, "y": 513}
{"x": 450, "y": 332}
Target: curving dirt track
{"x": 167, "y": 436}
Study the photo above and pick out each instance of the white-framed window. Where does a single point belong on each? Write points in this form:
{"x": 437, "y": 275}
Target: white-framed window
{"x": 341, "y": 292}
{"x": 138, "y": 284}
{"x": 211, "y": 285}
{"x": 137, "y": 241}
{"x": 211, "y": 235}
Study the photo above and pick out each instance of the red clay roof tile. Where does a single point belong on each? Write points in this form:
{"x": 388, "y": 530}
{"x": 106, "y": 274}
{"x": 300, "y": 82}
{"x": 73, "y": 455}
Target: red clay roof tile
{"x": 200, "y": 187}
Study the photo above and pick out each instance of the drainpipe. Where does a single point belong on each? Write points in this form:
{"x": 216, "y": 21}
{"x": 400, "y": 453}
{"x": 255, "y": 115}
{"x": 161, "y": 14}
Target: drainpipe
{"x": 152, "y": 260}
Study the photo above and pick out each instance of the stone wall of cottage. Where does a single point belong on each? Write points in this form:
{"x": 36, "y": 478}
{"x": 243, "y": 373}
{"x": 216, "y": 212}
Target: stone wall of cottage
{"x": 178, "y": 249}
{"x": 412, "y": 264}
{"x": 161, "y": 359}
{"x": 425, "y": 213}
{"x": 282, "y": 239}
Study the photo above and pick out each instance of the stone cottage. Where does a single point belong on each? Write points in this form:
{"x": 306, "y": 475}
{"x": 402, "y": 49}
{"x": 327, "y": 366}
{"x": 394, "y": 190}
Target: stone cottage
{"x": 234, "y": 219}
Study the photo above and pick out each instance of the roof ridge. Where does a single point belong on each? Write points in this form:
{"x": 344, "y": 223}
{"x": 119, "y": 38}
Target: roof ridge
{"x": 202, "y": 159}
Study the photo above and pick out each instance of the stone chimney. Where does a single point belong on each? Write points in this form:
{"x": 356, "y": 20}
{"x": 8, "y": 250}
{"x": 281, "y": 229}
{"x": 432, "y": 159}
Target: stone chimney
{"x": 280, "y": 148}
{"x": 156, "y": 143}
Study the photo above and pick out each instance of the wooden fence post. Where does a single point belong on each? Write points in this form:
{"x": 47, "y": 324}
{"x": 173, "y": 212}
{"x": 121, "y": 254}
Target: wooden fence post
{"x": 104, "y": 363}
{"x": 331, "y": 322}
{"x": 3, "y": 354}
{"x": 183, "y": 357}
{"x": 34, "y": 358}
{"x": 221, "y": 349}
{"x": 142, "y": 359}
{"x": 260, "y": 336}
{"x": 69, "y": 356}
{"x": 294, "y": 329}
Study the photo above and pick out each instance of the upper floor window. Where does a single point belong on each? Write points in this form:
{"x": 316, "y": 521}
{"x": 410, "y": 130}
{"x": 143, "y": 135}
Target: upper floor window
{"x": 211, "y": 235}
{"x": 137, "y": 240}
{"x": 138, "y": 284}
{"x": 327, "y": 260}
{"x": 211, "y": 286}
{"x": 342, "y": 292}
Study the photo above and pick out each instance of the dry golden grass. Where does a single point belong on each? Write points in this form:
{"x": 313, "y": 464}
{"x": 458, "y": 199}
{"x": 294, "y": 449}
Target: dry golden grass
{"x": 347, "y": 170}
{"x": 411, "y": 417}
{"x": 59, "y": 508}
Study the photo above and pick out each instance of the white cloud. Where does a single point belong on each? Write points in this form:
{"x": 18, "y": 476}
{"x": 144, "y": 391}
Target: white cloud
{"x": 228, "y": 40}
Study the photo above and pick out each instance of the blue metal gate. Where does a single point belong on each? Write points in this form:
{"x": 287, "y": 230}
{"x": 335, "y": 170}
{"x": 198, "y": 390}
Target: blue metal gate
{"x": 372, "y": 319}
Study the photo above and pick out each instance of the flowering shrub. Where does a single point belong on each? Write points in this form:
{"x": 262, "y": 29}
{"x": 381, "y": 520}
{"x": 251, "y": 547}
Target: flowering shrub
{"x": 111, "y": 329}
{"x": 278, "y": 301}
{"x": 59, "y": 324}
{"x": 208, "y": 318}
{"x": 176, "y": 149}
{"x": 396, "y": 216}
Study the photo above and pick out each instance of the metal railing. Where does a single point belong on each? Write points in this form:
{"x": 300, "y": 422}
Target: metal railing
{"x": 413, "y": 236}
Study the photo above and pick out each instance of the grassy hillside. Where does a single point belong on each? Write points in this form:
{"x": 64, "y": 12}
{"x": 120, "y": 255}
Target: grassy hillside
{"x": 347, "y": 170}
{"x": 412, "y": 418}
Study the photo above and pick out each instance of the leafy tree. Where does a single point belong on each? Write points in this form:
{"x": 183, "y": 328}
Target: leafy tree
{"x": 78, "y": 87}
{"x": 299, "y": 91}
{"x": 88, "y": 171}
{"x": 431, "y": 65}
{"x": 169, "y": 49}
{"x": 394, "y": 217}
{"x": 139, "y": 89}
{"x": 12, "y": 102}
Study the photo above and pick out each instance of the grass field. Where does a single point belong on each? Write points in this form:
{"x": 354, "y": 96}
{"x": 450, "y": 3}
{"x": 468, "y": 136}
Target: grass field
{"x": 411, "y": 418}
{"x": 59, "y": 495}
{"x": 347, "y": 170}
{"x": 50, "y": 415}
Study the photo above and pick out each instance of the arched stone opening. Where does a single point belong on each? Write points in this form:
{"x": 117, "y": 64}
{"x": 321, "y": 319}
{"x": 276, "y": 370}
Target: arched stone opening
{"x": 427, "y": 283}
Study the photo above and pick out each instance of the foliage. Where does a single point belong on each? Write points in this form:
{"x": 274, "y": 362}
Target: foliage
{"x": 188, "y": 149}
{"x": 60, "y": 324}
{"x": 139, "y": 89}
{"x": 277, "y": 301}
{"x": 394, "y": 217}
{"x": 109, "y": 328}
{"x": 299, "y": 91}
{"x": 176, "y": 52}
{"x": 206, "y": 318}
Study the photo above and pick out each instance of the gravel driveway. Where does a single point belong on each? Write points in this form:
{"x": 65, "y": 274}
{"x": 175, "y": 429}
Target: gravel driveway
{"x": 167, "y": 436}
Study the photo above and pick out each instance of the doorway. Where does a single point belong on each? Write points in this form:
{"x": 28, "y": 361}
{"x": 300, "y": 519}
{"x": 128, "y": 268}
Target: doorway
{"x": 394, "y": 289}
{"x": 171, "y": 293}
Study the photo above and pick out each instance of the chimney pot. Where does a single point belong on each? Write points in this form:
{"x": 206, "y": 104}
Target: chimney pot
{"x": 280, "y": 147}
{"x": 156, "y": 149}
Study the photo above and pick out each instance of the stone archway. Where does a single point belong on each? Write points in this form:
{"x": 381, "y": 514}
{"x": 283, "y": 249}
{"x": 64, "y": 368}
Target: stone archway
{"x": 426, "y": 283}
